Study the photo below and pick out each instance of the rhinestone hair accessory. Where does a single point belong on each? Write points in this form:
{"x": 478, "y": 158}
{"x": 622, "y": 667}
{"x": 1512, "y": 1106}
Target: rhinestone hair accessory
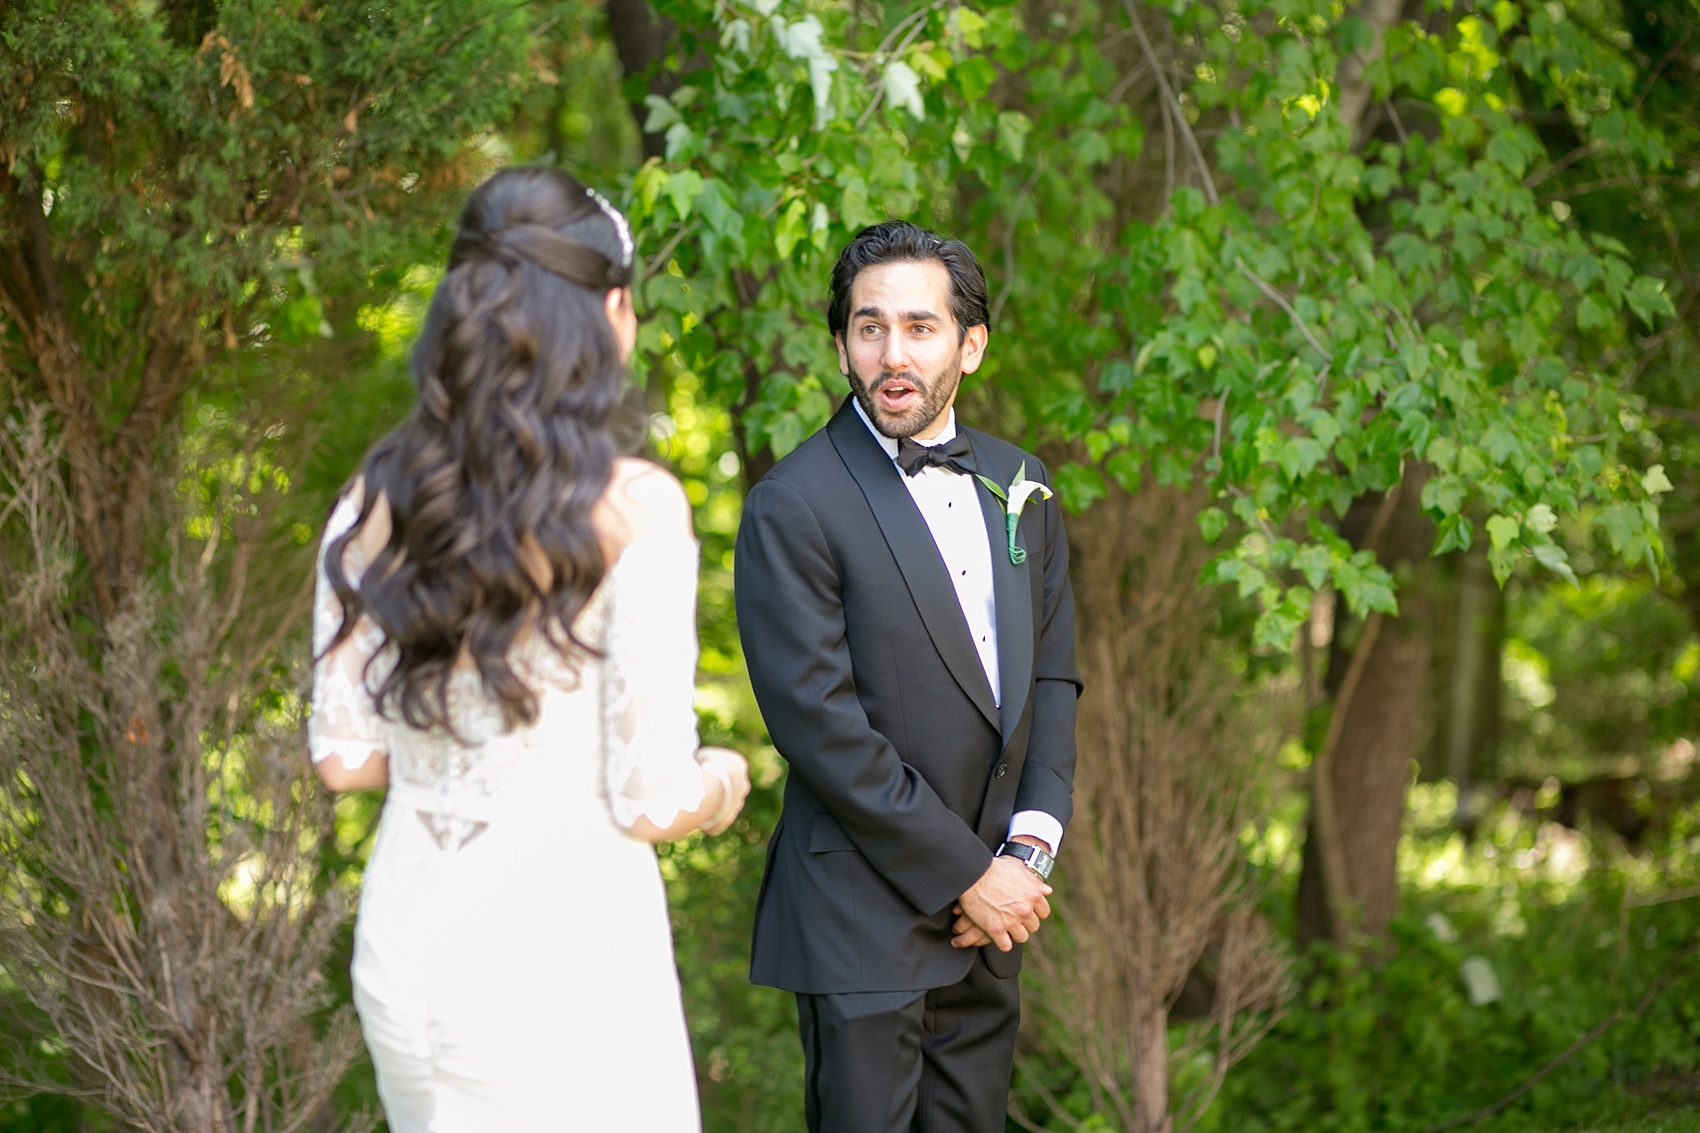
{"x": 620, "y": 226}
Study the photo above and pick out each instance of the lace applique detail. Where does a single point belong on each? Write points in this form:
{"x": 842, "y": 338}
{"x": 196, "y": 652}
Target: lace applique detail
{"x": 344, "y": 722}
{"x": 643, "y": 618}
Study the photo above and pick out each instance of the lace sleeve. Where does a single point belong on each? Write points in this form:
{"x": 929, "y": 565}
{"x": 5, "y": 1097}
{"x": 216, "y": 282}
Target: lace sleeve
{"x": 649, "y": 681}
{"x": 344, "y": 722}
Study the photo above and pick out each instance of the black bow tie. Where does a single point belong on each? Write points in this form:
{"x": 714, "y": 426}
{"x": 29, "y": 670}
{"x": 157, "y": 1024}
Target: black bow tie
{"x": 955, "y": 455}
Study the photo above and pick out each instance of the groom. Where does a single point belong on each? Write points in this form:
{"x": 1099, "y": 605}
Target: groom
{"x": 914, "y": 663}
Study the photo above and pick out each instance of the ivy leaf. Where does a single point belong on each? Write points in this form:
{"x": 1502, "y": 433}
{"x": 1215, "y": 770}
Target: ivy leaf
{"x": 682, "y": 189}
{"x": 970, "y": 24}
{"x": 821, "y": 68}
{"x": 1212, "y": 521}
{"x": 1647, "y": 298}
{"x": 784, "y": 433}
{"x": 717, "y": 206}
{"x": 1079, "y": 486}
{"x": 1620, "y": 524}
{"x": 1655, "y": 481}
{"x": 1502, "y": 531}
{"x": 1247, "y": 577}
{"x": 791, "y": 228}
{"x": 973, "y": 77}
{"x": 820, "y": 220}
{"x": 802, "y": 40}
{"x": 1280, "y": 622}
{"x": 1503, "y": 560}
{"x": 1013, "y": 127}
{"x": 1501, "y": 444}
{"x": 1592, "y": 314}
{"x": 903, "y": 88}
{"x": 1508, "y": 150}
{"x": 1444, "y": 494}
{"x": 1127, "y": 469}
{"x": 1365, "y": 585}
{"x": 1355, "y": 35}
{"x": 1540, "y": 519}
{"x": 662, "y": 114}
{"x": 1552, "y": 556}
{"x": 1315, "y": 563}
{"x": 1455, "y": 535}
{"x": 962, "y": 140}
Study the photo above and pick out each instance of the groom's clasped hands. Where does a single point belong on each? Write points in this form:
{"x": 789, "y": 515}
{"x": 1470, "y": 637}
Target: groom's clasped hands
{"x": 1003, "y": 908}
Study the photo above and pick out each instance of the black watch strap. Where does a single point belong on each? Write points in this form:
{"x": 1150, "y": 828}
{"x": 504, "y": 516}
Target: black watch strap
{"x": 1032, "y": 857}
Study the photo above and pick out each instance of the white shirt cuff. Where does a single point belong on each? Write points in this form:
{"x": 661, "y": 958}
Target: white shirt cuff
{"x": 1037, "y": 824}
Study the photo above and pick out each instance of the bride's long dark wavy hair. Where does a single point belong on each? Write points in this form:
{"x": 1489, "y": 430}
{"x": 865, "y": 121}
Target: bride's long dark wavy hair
{"x": 492, "y": 477}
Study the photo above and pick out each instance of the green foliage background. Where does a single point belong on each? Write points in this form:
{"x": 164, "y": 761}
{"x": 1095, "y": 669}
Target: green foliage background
{"x": 1259, "y": 298}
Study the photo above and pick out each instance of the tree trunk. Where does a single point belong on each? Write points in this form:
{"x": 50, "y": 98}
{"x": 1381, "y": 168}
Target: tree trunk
{"x": 1472, "y": 715}
{"x": 1151, "y": 1073}
{"x": 641, "y": 39}
{"x": 1381, "y": 737}
{"x": 1354, "y": 84}
{"x": 1348, "y": 882}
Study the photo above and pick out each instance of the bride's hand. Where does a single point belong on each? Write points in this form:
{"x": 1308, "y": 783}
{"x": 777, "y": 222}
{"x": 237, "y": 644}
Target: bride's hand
{"x": 733, "y": 770}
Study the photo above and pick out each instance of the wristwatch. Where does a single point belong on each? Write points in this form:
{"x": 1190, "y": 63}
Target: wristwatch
{"x": 1032, "y": 857}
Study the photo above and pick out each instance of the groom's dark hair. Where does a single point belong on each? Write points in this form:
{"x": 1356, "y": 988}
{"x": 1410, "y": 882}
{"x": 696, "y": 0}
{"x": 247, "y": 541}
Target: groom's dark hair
{"x": 897, "y": 241}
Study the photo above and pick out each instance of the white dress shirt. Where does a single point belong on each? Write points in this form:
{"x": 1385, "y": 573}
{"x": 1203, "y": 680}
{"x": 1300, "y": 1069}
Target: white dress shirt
{"x": 950, "y": 503}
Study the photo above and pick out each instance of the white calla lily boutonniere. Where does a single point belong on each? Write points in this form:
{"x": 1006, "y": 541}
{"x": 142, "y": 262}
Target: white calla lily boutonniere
{"x": 1014, "y": 498}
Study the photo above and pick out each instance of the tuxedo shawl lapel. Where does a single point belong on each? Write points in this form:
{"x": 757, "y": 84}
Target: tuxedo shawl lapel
{"x": 911, "y": 543}
{"x": 1011, "y": 596}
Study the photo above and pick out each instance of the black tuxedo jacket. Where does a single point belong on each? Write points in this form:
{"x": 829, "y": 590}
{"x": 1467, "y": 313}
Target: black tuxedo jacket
{"x": 903, "y": 772}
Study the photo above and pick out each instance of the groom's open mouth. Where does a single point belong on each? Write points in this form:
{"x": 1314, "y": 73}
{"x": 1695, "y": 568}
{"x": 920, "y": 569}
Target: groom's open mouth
{"x": 896, "y": 395}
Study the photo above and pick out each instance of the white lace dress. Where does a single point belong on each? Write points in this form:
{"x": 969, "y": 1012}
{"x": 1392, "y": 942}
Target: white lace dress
{"x": 513, "y": 962}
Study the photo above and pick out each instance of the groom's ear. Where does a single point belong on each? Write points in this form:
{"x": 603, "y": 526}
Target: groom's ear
{"x": 843, "y": 358}
{"x": 974, "y": 347}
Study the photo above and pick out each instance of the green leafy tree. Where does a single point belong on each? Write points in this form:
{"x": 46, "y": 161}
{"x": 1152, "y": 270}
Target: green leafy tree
{"x": 1290, "y": 253}
{"x": 198, "y": 201}
{"x": 1346, "y": 306}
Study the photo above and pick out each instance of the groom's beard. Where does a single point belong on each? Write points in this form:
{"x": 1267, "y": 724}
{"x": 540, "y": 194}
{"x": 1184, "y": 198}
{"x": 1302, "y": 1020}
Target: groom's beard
{"x": 933, "y": 394}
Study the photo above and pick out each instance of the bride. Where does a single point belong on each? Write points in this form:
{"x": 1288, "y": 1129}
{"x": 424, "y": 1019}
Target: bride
{"x": 505, "y": 638}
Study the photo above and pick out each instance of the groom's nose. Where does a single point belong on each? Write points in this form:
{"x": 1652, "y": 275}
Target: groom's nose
{"x": 894, "y": 358}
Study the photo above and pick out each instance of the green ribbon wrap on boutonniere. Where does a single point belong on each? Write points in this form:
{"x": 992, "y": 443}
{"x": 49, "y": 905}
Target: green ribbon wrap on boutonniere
{"x": 1014, "y": 498}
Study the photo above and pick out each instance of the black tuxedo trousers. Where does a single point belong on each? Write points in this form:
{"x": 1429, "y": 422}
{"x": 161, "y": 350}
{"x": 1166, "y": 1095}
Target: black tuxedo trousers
{"x": 903, "y": 772}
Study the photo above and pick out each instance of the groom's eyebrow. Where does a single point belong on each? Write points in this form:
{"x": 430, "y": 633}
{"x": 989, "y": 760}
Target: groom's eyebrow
{"x": 905, "y": 316}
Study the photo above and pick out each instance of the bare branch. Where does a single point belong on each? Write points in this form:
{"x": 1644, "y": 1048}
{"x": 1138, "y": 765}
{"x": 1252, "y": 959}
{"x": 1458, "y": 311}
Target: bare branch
{"x": 1280, "y": 301}
{"x": 1173, "y": 102}
{"x": 659, "y": 260}
{"x": 1009, "y": 246}
{"x": 1155, "y": 882}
